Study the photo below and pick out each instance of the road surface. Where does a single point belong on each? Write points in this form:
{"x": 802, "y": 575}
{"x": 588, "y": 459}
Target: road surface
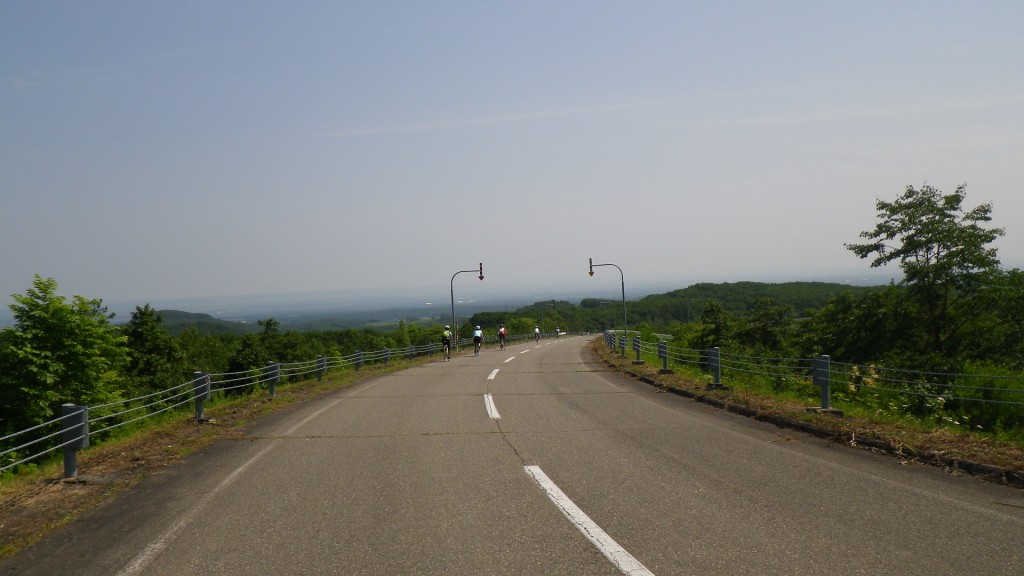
{"x": 534, "y": 460}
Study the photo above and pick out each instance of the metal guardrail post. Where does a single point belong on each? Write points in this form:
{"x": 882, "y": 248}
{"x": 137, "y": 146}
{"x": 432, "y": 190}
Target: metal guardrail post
{"x": 622, "y": 344}
{"x": 75, "y": 436}
{"x": 387, "y": 356}
{"x": 359, "y": 360}
{"x": 636, "y": 347}
{"x": 715, "y": 362}
{"x": 663, "y": 354}
{"x": 200, "y": 393}
{"x": 273, "y": 373}
{"x": 321, "y": 367}
{"x": 821, "y": 375}
{"x": 821, "y": 368}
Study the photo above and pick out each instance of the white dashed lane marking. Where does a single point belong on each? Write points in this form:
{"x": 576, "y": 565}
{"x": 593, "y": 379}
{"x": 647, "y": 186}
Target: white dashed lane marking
{"x": 623, "y": 560}
{"x": 492, "y": 410}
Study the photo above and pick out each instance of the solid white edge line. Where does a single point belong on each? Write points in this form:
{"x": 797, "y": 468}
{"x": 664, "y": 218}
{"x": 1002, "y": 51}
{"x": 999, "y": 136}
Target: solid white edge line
{"x": 493, "y": 374}
{"x": 616, "y": 554}
{"x": 492, "y": 410}
{"x": 157, "y": 546}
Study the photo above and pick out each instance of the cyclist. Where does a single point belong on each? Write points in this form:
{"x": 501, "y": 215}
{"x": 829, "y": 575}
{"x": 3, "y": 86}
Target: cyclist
{"x": 536, "y": 333}
{"x": 446, "y": 342}
{"x": 501, "y": 335}
{"x": 478, "y": 337}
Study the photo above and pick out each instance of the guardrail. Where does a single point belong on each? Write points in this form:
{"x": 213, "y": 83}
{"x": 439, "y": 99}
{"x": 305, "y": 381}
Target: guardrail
{"x": 71, "y": 431}
{"x": 980, "y": 399}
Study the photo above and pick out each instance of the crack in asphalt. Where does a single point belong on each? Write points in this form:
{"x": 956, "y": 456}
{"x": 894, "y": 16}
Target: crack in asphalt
{"x": 504, "y": 435}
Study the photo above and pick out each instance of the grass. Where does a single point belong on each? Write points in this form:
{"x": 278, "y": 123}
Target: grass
{"x": 37, "y": 502}
{"x": 998, "y": 457}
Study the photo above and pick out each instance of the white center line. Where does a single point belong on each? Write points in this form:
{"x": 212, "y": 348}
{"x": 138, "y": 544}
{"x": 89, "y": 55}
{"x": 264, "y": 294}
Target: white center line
{"x": 618, "y": 556}
{"x": 510, "y": 359}
{"x": 493, "y": 374}
{"x": 492, "y": 410}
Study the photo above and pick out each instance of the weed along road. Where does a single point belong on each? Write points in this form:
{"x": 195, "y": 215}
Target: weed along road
{"x": 533, "y": 460}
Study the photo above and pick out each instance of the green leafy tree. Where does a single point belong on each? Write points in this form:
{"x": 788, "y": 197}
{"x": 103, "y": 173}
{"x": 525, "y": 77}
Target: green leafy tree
{"x": 155, "y": 360}
{"x": 997, "y": 336}
{"x": 767, "y": 326}
{"x": 864, "y": 328}
{"x": 294, "y": 347}
{"x": 271, "y": 343}
{"x": 205, "y": 352}
{"x": 402, "y": 335}
{"x": 946, "y": 259}
{"x": 521, "y": 326}
{"x": 270, "y": 326}
{"x": 57, "y": 352}
{"x": 717, "y": 327}
{"x": 249, "y": 355}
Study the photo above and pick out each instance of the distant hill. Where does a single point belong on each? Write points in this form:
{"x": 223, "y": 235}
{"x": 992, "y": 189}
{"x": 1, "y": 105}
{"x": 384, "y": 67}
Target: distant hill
{"x": 176, "y": 322}
{"x": 683, "y": 305}
{"x": 737, "y": 297}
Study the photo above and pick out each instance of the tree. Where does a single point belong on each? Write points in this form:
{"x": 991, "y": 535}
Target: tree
{"x": 57, "y": 352}
{"x": 155, "y": 360}
{"x": 270, "y": 341}
{"x": 270, "y": 326}
{"x": 249, "y": 355}
{"x": 998, "y": 336}
{"x": 717, "y": 327}
{"x": 403, "y": 335}
{"x": 945, "y": 257}
{"x": 205, "y": 353}
{"x": 867, "y": 328}
{"x": 767, "y": 325}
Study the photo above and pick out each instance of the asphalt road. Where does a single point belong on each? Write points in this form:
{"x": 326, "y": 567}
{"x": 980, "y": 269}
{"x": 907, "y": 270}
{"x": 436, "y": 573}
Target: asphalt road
{"x": 534, "y": 461}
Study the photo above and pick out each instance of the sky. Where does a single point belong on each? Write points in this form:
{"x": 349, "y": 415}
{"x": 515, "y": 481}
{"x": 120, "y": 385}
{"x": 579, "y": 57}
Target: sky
{"x": 152, "y": 151}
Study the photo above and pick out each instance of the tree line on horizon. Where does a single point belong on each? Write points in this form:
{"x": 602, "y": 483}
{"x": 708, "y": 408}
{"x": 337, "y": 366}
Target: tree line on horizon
{"x": 955, "y": 310}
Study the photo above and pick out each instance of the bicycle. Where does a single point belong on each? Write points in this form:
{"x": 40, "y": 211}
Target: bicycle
{"x": 446, "y": 343}
{"x": 476, "y": 347}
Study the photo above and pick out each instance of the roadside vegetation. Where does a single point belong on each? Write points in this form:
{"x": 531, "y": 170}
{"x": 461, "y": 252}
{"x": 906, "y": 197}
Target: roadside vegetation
{"x": 955, "y": 311}
{"x": 37, "y": 501}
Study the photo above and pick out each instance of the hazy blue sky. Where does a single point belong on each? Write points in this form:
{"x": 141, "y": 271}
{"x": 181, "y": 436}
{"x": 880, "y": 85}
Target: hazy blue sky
{"x": 156, "y": 150}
